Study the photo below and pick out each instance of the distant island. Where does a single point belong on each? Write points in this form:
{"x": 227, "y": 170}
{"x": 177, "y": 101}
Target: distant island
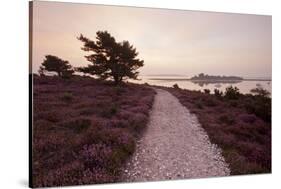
{"x": 203, "y": 76}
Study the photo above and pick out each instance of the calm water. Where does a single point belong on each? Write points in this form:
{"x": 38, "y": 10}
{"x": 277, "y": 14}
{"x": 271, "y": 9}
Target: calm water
{"x": 244, "y": 86}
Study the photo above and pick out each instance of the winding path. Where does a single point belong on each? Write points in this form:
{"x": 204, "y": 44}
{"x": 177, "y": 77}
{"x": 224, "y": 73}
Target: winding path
{"x": 174, "y": 146}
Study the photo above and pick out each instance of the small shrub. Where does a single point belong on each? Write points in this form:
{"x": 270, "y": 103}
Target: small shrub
{"x": 176, "y": 86}
{"x": 207, "y": 91}
{"x": 218, "y": 93}
{"x": 260, "y": 92}
{"x": 260, "y": 106}
{"x": 232, "y": 93}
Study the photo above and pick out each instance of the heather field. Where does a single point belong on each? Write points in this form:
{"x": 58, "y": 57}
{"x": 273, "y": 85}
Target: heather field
{"x": 239, "y": 124}
{"x": 85, "y": 129}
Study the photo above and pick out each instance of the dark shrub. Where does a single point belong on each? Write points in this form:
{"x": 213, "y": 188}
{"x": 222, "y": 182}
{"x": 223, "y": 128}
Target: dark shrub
{"x": 207, "y": 91}
{"x": 176, "y": 86}
{"x": 232, "y": 93}
{"x": 260, "y": 92}
{"x": 260, "y": 106}
{"x": 218, "y": 93}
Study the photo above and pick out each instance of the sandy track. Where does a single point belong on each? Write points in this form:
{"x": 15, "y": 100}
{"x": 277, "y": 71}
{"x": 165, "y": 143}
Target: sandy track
{"x": 174, "y": 146}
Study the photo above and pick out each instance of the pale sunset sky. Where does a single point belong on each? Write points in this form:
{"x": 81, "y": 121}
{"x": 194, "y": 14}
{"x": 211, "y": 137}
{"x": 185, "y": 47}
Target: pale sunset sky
{"x": 169, "y": 41}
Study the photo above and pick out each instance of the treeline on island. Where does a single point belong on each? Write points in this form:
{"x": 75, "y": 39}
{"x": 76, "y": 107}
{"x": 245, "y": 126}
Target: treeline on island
{"x": 203, "y": 76}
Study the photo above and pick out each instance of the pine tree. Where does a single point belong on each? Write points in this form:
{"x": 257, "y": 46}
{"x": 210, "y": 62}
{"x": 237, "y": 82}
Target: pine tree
{"x": 110, "y": 59}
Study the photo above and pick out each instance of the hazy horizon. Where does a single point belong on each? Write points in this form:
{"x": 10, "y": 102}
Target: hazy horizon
{"x": 173, "y": 42}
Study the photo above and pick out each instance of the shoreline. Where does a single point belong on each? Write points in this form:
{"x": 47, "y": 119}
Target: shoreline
{"x": 207, "y": 80}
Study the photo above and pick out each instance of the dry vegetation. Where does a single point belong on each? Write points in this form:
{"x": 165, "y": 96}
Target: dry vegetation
{"x": 84, "y": 129}
{"x": 239, "y": 124}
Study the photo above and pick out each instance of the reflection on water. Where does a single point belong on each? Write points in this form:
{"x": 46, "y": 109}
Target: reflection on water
{"x": 244, "y": 86}
{"x": 218, "y": 84}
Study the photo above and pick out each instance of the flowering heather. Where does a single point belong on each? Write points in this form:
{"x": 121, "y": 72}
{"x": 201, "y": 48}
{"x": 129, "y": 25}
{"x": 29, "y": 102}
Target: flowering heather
{"x": 241, "y": 126}
{"x": 84, "y": 129}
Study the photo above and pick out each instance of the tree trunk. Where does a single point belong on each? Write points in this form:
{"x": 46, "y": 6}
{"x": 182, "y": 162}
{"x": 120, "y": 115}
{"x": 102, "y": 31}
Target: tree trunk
{"x": 116, "y": 80}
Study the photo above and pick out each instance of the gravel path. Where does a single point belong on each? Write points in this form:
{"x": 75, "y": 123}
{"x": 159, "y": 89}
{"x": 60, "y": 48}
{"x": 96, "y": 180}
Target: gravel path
{"x": 174, "y": 146}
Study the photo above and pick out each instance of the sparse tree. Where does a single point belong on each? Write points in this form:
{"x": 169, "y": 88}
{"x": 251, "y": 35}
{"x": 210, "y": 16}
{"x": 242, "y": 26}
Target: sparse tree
{"x": 55, "y": 64}
{"x": 110, "y": 59}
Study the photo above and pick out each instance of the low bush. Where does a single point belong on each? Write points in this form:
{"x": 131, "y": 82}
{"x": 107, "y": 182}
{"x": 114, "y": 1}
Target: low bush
{"x": 207, "y": 91}
{"x": 218, "y": 93}
{"x": 231, "y": 93}
{"x": 260, "y": 92}
{"x": 260, "y": 106}
{"x": 176, "y": 86}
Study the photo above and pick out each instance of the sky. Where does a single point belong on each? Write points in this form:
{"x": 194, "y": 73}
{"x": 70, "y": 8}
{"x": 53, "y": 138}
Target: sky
{"x": 176, "y": 42}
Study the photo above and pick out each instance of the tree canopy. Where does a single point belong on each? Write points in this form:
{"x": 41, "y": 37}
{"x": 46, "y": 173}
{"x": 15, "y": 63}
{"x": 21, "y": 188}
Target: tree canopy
{"x": 55, "y": 64}
{"x": 110, "y": 59}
